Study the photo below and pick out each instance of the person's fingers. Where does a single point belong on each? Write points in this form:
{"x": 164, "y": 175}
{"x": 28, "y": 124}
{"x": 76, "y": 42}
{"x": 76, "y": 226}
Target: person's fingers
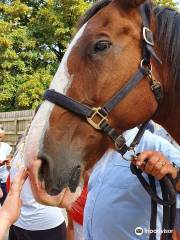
{"x": 1, "y": 193}
{"x": 158, "y": 167}
{"x": 69, "y": 198}
{"x": 151, "y": 163}
{"x": 146, "y": 161}
{"x": 171, "y": 170}
{"x": 141, "y": 158}
{"x": 163, "y": 172}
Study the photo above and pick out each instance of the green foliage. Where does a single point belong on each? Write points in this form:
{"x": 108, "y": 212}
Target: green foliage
{"x": 33, "y": 38}
{"x": 30, "y": 92}
{"x": 54, "y": 23}
{"x": 167, "y": 3}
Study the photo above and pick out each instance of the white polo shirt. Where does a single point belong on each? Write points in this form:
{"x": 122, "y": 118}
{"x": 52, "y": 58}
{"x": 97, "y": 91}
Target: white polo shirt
{"x": 34, "y": 216}
{"x": 5, "y": 150}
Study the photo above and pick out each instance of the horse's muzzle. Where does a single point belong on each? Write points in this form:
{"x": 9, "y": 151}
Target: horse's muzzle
{"x": 55, "y": 179}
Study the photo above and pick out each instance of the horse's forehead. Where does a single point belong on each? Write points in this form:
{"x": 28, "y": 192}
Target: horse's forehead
{"x": 103, "y": 17}
{"x": 111, "y": 18}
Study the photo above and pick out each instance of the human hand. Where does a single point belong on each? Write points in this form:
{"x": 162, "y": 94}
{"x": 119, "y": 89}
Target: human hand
{"x": 8, "y": 161}
{"x": 8, "y": 164}
{"x": 155, "y": 164}
{"x": 69, "y": 198}
{"x": 10, "y": 210}
{"x": 2, "y": 163}
{"x": 1, "y": 193}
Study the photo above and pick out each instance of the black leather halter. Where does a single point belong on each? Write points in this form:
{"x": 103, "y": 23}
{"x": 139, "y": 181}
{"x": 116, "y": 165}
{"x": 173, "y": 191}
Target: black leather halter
{"x": 97, "y": 117}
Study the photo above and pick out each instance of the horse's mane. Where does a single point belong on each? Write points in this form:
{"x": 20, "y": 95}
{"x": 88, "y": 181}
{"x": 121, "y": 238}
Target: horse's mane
{"x": 168, "y": 22}
{"x": 168, "y": 35}
{"x": 92, "y": 11}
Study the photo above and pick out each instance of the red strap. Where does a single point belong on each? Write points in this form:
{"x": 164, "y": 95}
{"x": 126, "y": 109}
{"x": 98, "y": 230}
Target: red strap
{"x": 8, "y": 183}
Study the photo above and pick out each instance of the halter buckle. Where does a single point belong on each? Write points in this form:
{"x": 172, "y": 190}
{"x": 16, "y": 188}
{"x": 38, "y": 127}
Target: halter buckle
{"x": 97, "y": 118}
{"x": 120, "y": 144}
{"x": 148, "y": 36}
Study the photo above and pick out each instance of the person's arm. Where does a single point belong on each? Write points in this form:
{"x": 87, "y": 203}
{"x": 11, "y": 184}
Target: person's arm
{"x": 10, "y": 210}
{"x": 3, "y": 228}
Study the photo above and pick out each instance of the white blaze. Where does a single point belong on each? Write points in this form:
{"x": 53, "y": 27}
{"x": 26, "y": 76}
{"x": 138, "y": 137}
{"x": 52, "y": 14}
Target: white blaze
{"x": 61, "y": 82}
{"x": 62, "y": 78}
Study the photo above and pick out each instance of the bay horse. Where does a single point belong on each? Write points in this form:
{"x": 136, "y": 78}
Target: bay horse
{"x": 104, "y": 54}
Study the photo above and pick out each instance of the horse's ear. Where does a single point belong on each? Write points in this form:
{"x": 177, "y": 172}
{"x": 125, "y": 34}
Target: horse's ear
{"x": 130, "y": 3}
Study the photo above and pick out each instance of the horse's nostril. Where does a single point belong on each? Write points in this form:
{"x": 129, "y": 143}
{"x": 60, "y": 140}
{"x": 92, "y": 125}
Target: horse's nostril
{"x": 54, "y": 191}
{"x": 43, "y": 170}
{"x": 56, "y": 179}
{"x": 74, "y": 180}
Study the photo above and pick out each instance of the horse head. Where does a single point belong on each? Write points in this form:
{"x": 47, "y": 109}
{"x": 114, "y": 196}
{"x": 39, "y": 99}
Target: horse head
{"x": 104, "y": 54}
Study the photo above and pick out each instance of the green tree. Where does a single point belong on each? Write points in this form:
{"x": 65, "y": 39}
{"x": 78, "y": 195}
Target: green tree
{"x": 33, "y": 37}
{"x": 21, "y": 58}
{"x": 167, "y": 3}
{"x": 55, "y": 22}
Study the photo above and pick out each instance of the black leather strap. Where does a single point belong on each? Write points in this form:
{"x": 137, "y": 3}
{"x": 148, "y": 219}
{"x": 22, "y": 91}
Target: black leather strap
{"x": 169, "y": 212}
{"x": 68, "y": 103}
{"x": 166, "y": 181}
{"x": 168, "y": 201}
{"x": 153, "y": 221}
{"x": 121, "y": 94}
{"x": 147, "y": 50}
{"x": 139, "y": 135}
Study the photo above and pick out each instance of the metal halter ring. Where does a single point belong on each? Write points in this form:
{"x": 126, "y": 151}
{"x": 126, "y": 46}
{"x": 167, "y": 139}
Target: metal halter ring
{"x": 146, "y": 66}
{"x": 133, "y": 155}
{"x": 148, "y": 36}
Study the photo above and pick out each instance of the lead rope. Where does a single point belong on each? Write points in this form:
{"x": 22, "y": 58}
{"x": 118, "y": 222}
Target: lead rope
{"x": 168, "y": 201}
{"x": 169, "y": 198}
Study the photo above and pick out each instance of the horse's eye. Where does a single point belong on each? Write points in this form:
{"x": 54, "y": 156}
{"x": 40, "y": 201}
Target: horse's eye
{"x": 102, "y": 46}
